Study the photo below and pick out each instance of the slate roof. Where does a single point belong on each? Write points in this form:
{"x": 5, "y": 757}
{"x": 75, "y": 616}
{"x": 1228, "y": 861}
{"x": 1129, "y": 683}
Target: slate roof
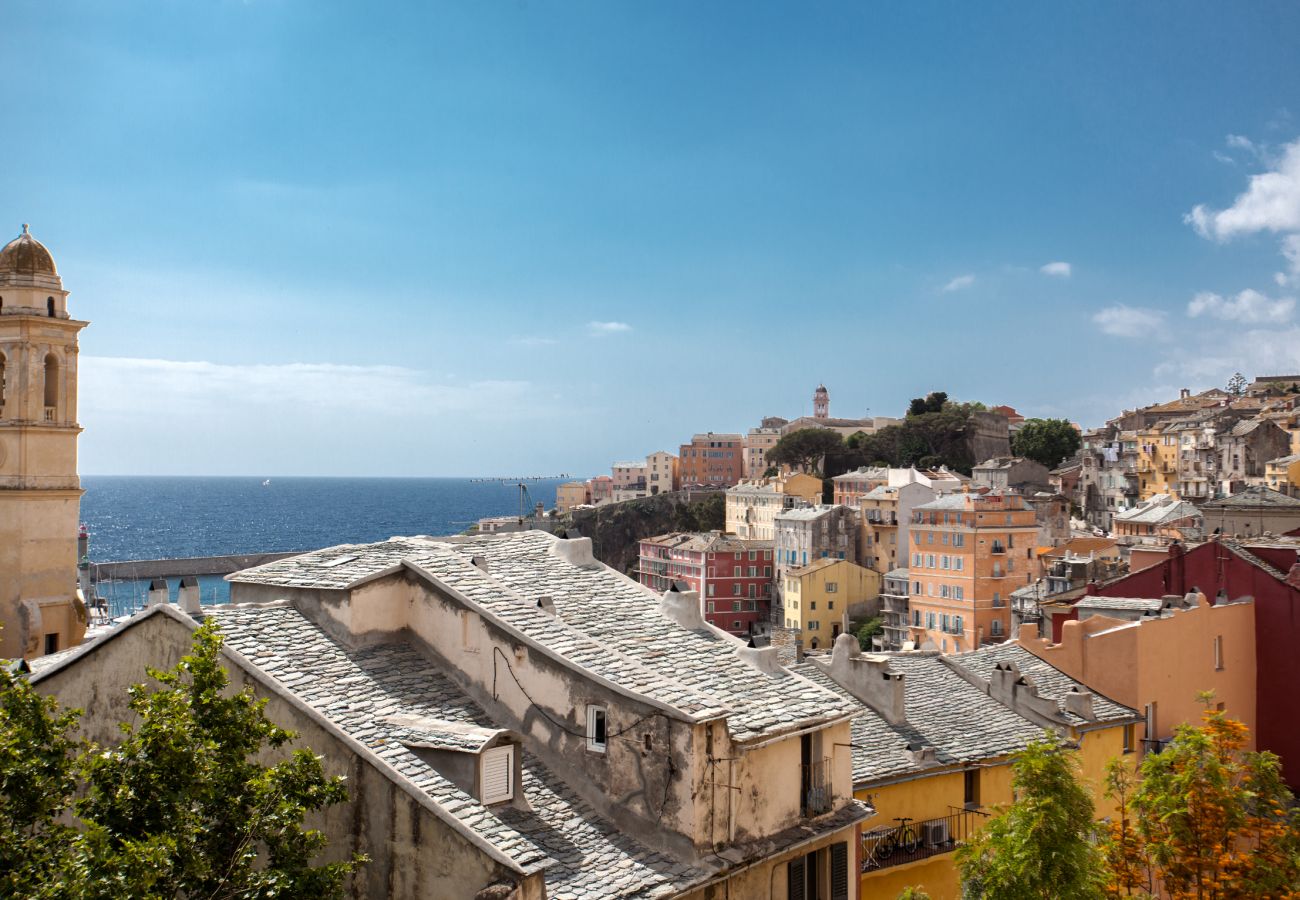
{"x": 943, "y": 711}
{"x": 708, "y": 542}
{"x": 364, "y": 690}
{"x": 1252, "y": 498}
{"x": 806, "y": 513}
{"x": 604, "y": 623}
{"x": 1155, "y": 514}
{"x": 1051, "y": 682}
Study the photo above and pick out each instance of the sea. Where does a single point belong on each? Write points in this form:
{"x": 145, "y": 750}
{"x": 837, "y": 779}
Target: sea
{"x": 157, "y": 517}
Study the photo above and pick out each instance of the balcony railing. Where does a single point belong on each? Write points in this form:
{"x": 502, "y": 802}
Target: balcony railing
{"x": 51, "y": 413}
{"x": 998, "y": 548}
{"x": 1154, "y": 745}
{"x": 910, "y": 841}
{"x": 816, "y": 783}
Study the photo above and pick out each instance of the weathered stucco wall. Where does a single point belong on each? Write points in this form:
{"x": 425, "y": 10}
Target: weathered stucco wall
{"x": 414, "y": 854}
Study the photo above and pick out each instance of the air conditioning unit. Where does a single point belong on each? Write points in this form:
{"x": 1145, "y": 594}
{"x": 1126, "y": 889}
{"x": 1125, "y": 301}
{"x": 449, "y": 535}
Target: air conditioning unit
{"x": 935, "y": 834}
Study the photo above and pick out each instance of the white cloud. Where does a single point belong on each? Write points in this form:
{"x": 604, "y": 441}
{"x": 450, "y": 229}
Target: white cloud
{"x": 1290, "y": 252}
{"x": 1248, "y": 306}
{"x": 603, "y": 329}
{"x": 1128, "y": 321}
{"x": 533, "y": 341}
{"x": 1223, "y": 158}
{"x": 1057, "y": 269}
{"x": 960, "y": 283}
{"x": 1271, "y": 202}
{"x": 1255, "y": 350}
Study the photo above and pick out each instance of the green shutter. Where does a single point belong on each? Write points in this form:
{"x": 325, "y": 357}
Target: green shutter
{"x": 840, "y": 871}
{"x": 795, "y": 879}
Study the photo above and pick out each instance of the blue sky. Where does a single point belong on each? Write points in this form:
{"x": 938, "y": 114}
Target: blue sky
{"x": 514, "y": 237}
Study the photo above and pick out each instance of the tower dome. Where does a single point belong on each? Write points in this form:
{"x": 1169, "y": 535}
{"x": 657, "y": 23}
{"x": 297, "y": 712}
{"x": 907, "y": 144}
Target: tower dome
{"x": 25, "y": 255}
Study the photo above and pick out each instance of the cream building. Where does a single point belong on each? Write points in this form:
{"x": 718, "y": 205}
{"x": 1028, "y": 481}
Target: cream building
{"x": 40, "y": 494}
{"x": 660, "y": 472}
{"x": 752, "y": 507}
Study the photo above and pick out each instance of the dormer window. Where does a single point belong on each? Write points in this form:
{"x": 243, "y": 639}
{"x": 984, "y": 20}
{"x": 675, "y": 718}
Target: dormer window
{"x": 597, "y": 733}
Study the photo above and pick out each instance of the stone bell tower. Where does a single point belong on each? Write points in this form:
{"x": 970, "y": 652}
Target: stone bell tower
{"x": 40, "y": 493}
{"x": 821, "y": 402}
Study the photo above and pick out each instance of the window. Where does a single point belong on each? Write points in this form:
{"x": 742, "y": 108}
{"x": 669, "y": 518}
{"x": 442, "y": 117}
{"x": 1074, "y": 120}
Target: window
{"x": 1218, "y": 653}
{"x": 929, "y": 537}
{"x": 916, "y": 617}
{"x": 943, "y": 591}
{"x": 959, "y": 540}
{"x": 753, "y": 590}
{"x": 51, "y": 382}
{"x": 812, "y": 604}
{"x": 736, "y": 572}
{"x": 767, "y": 571}
{"x": 735, "y": 606}
{"x": 929, "y": 620}
{"x": 957, "y": 625}
{"x": 997, "y": 599}
{"x": 971, "y": 788}
{"x": 1128, "y": 739}
{"x": 831, "y": 587}
{"x": 596, "y": 733}
{"x": 959, "y": 593}
{"x": 753, "y": 571}
{"x": 960, "y": 563}
{"x": 711, "y": 587}
{"x": 1151, "y": 721}
{"x": 710, "y": 603}
{"x": 996, "y": 627}
{"x": 753, "y": 555}
{"x": 498, "y": 774}
{"x": 735, "y": 590}
{"x": 943, "y": 622}
{"x": 929, "y": 561}
{"x": 52, "y": 643}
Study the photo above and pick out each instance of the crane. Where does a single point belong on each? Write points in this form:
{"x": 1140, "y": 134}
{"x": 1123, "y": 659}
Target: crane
{"x": 521, "y": 482}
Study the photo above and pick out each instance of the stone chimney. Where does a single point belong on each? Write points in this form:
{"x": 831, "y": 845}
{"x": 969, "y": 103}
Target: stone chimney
{"x": 189, "y": 595}
{"x": 1080, "y": 703}
{"x": 480, "y": 563}
{"x": 760, "y": 655}
{"x": 922, "y": 755}
{"x": 157, "y": 593}
{"x": 682, "y": 607}
{"x": 868, "y": 678}
{"x": 546, "y": 605}
{"x": 1010, "y": 688}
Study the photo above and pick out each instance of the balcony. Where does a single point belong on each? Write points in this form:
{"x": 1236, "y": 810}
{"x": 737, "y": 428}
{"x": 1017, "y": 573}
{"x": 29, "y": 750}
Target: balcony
{"x": 883, "y": 848}
{"x": 998, "y": 548}
{"x": 816, "y": 796}
{"x": 1154, "y": 745}
{"x": 51, "y": 413}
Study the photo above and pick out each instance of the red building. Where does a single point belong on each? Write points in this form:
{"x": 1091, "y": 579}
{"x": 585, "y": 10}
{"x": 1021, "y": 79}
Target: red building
{"x": 1270, "y": 574}
{"x": 716, "y": 460}
{"x": 732, "y": 575}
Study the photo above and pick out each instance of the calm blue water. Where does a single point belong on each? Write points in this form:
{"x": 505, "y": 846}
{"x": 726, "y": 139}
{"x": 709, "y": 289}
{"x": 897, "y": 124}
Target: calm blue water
{"x": 137, "y": 517}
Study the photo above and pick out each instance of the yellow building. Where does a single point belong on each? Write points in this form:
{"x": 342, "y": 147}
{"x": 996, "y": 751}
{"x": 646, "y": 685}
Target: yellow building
{"x": 818, "y": 596}
{"x": 1157, "y": 462}
{"x": 933, "y": 743}
{"x": 40, "y": 494}
{"x": 1283, "y": 475}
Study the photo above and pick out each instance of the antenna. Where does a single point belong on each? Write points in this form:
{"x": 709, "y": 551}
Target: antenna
{"x": 521, "y": 482}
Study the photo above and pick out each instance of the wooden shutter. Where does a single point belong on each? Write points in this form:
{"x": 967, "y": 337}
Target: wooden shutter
{"x": 795, "y": 879}
{"x": 840, "y": 871}
{"x": 498, "y": 774}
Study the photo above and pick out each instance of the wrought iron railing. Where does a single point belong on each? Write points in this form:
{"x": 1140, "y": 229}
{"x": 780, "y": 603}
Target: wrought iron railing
{"x": 1154, "y": 745}
{"x": 909, "y": 841}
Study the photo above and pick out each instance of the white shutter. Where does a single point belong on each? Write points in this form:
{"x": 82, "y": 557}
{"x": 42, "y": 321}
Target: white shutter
{"x": 498, "y": 774}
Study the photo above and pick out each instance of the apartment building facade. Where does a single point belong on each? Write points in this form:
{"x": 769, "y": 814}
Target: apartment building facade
{"x": 732, "y": 575}
{"x": 810, "y": 533}
{"x": 661, "y": 473}
{"x": 752, "y": 506}
{"x": 968, "y": 553}
{"x": 818, "y": 596}
{"x": 713, "y": 460}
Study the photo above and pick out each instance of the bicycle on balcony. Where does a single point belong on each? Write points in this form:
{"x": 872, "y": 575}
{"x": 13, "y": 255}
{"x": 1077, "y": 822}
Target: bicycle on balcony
{"x": 902, "y": 839}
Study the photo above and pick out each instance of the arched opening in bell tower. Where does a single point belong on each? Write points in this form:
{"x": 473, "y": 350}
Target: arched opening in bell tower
{"x": 2, "y": 384}
{"x": 51, "y": 387}
{"x": 49, "y": 306}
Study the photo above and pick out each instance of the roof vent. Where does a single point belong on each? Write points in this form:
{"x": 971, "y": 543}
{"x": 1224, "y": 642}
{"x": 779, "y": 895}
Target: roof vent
{"x": 479, "y": 562}
{"x": 546, "y": 605}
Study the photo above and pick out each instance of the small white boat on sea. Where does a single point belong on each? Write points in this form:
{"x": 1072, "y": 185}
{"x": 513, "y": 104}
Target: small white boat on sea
{"x": 266, "y": 483}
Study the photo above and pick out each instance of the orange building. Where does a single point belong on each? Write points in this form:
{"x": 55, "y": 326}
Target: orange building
{"x": 716, "y": 460}
{"x": 968, "y": 553}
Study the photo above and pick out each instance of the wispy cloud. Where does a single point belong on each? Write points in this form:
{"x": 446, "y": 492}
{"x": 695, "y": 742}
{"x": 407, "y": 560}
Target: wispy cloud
{"x": 1057, "y": 269}
{"x": 1258, "y": 350}
{"x": 960, "y": 283}
{"x": 1128, "y": 321}
{"x": 533, "y": 340}
{"x": 604, "y": 329}
{"x": 1248, "y": 306}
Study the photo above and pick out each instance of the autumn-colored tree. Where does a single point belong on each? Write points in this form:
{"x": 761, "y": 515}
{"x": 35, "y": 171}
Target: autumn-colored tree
{"x": 1209, "y": 820}
{"x": 1127, "y": 869}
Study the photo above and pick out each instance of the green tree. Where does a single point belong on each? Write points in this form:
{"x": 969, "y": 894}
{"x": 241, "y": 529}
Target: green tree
{"x": 1046, "y": 441}
{"x": 37, "y": 780}
{"x": 1212, "y": 819}
{"x": 182, "y": 806}
{"x": 805, "y": 449}
{"x": 870, "y": 629}
{"x": 1037, "y": 847}
{"x": 914, "y": 892}
{"x": 711, "y": 512}
{"x": 930, "y": 403}
{"x": 1237, "y": 385}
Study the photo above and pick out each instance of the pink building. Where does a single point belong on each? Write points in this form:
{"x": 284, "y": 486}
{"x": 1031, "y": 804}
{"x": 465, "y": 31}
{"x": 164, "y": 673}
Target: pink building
{"x": 732, "y": 575}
